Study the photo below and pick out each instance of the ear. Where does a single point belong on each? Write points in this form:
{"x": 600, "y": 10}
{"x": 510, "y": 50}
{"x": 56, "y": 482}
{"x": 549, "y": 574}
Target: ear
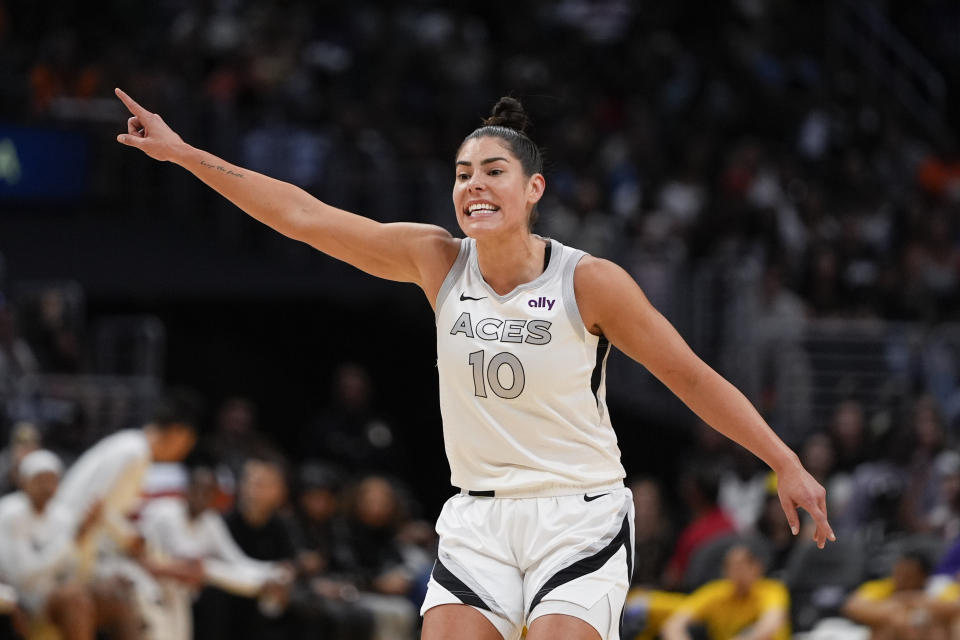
{"x": 535, "y": 188}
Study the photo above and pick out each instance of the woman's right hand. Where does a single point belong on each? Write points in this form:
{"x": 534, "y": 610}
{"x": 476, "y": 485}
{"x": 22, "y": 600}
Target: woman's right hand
{"x": 148, "y": 132}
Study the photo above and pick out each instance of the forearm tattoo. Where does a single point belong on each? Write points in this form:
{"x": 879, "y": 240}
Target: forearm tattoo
{"x": 221, "y": 169}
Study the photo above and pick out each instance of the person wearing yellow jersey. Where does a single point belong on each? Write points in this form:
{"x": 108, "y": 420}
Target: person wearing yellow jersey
{"x": 742, "y": 606}
{"x": 903, "y": 606}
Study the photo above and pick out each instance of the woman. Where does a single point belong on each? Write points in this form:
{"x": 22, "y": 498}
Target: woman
{"x": 541, "y": 532}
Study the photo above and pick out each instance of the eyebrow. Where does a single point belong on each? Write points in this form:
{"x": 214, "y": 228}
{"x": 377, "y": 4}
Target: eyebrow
{"x": 482, "y": 162}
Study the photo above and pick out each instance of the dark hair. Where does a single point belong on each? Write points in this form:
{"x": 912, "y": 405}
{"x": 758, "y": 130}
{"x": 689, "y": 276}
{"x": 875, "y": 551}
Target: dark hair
{"x": 508, "y": 121}
{"x": 705, "y": 479}
{"x": 178, "y": 406}
{"x": 919, "y": 557}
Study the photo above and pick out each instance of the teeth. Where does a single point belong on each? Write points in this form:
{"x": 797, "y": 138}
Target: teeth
{"x": 481, "y": 206}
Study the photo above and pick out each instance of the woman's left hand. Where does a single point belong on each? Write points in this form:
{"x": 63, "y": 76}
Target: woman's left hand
{"x": 797, "y": 488}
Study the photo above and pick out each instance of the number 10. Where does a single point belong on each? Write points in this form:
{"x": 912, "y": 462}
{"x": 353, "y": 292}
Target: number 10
{"x": 493, "y": 375}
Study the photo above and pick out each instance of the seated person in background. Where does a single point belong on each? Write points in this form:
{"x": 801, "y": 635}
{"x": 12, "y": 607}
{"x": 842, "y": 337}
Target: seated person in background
{"x": 900, "y": 607}
{"x": 325, "y": 596}
{"x": 700, "y": 488}
{"x": 188, "y": 532}
{"x": 379, "y": 563}
{"x": 263, "y": 533}
{"x": 654, "y": 533}
{"x": 38, "y": 545}
{"x": 112, "y": 471}
{"x": 742, "y": 606}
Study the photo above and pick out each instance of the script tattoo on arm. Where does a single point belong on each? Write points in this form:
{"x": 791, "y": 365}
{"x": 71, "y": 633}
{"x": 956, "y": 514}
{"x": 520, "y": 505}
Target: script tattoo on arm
{"x": 220, "y": 168}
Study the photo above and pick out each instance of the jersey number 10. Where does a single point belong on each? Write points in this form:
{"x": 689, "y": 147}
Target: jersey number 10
{"x": 493, "y": 375}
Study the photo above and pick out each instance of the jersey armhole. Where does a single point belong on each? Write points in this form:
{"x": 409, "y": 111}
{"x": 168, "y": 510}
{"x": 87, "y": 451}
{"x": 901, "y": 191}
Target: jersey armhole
{"x": 455, "y": 272}
{"x": 570, "y": 296}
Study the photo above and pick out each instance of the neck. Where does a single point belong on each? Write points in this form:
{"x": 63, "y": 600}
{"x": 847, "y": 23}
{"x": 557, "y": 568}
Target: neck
{"x": 255, "y": 517}
{"x": 508, "y": 262}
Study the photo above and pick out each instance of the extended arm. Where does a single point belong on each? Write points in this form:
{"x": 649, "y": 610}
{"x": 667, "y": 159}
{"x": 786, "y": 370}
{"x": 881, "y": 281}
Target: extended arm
{"x": 405, "y": 252}
{"x": 611, "y": 303}
{"x": 766, "y": 627}
{"x": 675, "y": 628}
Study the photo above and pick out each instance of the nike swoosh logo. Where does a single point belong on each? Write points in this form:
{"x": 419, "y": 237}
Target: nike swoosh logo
{"x": 587, "y": 498}
{"x": 463, "y": 297}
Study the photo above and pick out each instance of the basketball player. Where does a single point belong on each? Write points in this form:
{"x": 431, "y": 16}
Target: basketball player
{"x": 111, "y": 474}
{"x": 38, "y": 546}
{"x": 540, "y": 533}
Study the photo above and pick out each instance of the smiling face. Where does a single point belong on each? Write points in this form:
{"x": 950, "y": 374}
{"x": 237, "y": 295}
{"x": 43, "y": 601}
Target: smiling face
{"x": 491, "y": 193}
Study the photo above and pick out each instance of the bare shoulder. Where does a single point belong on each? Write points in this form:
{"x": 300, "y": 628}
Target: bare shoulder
{"x": 436, "y": 248}
{"x": 435, "y": 252}
{"x": 598, "y": 284}
{"x": 593, "y": 271}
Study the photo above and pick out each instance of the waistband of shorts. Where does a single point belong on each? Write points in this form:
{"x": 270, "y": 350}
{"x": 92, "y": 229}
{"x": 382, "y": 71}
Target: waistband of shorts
{"x": 543, "y": 491}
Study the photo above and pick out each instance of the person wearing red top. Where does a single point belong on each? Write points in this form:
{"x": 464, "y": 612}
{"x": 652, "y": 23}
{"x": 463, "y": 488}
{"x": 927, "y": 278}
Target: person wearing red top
{"x": 701, "y": 489}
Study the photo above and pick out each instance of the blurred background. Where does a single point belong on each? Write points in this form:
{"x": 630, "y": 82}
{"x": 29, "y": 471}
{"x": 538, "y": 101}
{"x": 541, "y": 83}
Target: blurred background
{"x": 781, "y": 178}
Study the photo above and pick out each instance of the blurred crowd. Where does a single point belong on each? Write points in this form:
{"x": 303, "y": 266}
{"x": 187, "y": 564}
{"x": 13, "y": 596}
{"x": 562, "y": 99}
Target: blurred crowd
{"x": 678, "y": 136}
{"x": 673, "y": 134}
{"x": 145, "y": 535}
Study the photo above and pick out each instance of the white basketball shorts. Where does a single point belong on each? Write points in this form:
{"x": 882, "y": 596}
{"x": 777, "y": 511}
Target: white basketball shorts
{"x": 515, "y": 559}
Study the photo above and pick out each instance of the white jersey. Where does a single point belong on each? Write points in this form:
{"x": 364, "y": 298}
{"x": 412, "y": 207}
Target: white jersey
{"x": 168, "y": 529}
{"x": 37, "y": 550}
{"x": 110, "y": 472}
{"x": 522, "y": 383}
{"x": 171, "y": 533}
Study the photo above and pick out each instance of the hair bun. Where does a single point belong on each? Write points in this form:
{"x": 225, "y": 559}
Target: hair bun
{"x": 508, "y": 112}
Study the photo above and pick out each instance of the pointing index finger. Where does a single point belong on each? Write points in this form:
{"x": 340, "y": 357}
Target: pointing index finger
{"x": 130, "y": 103}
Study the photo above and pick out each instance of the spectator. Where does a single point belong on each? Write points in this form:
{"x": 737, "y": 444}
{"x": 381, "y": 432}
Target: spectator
{"x": 944, "y": 519}
{"x": 743, "y": 489}
{"x": 236, "y": 436}
{"x": 264, "y": 534}
{"x": 52, "y": 332}
{"x": 775, "y": 529}
{"x": 653, "y": 532}
{"x": 195, "y": 548}
{"x": 326, "y": 596}
{"x": 848, "y": 432}
{"x": 743, "y": 604}
{"x": 38, "y": 544}
{"x": 899, "y": 608}
{"x": 17, "y": 362}
{"x": 818, "y": 455}
{"x": 928, "y": 460}
{"x": 350, "y": 430}
{"x": 385, "y": 580}
{"x": 112, "y": 471}
{"x": 700, "y": 488}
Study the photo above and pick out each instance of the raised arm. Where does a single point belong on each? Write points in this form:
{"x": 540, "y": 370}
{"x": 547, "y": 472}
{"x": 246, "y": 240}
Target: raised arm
{"x": 611, "y": 303}
{"x": 405, "y": 252}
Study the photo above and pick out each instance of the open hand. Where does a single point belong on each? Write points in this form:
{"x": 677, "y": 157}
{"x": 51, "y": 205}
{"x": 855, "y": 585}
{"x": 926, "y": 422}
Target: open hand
{"x": 797, "y": 488}
{"x": 148, "y": 132}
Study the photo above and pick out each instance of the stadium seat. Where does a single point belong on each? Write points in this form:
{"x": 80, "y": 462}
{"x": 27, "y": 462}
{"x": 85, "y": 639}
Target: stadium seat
{"x": 820, "y": 579}
{"x": 880, "y": 564}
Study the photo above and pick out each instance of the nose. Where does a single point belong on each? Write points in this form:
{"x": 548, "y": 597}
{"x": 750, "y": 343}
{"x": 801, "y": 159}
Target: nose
{"x": 476, "y": 183}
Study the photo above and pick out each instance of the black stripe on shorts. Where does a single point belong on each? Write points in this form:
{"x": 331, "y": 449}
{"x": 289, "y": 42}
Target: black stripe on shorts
{"x": 456, "y": 586}
{"x": 590, "y": 564}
